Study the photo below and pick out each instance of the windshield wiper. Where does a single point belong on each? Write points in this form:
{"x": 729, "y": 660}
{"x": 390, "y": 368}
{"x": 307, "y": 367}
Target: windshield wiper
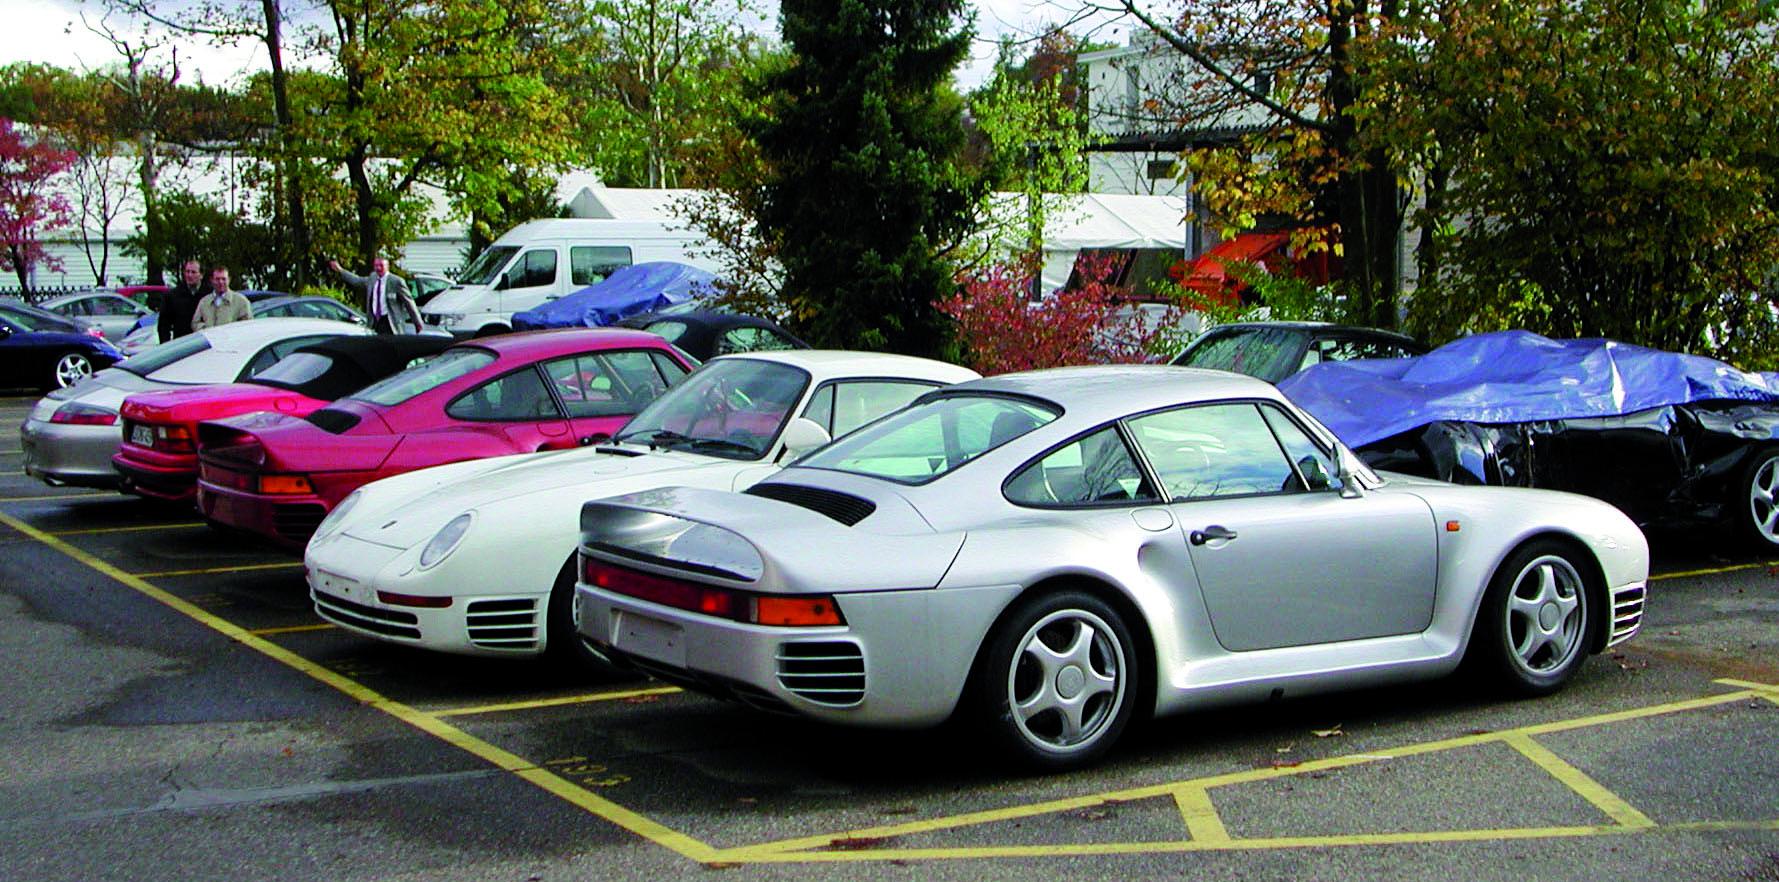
{"x": 722, "y": 444}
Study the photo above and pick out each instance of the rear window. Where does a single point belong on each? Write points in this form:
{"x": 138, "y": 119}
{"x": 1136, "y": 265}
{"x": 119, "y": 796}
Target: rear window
{"x": 423, "y": 378}
{"x": 165, "y": 354}
{"x": 1267, "y": 353}
{"x": 931, "y": 438}
{"x": 295, "y": 370}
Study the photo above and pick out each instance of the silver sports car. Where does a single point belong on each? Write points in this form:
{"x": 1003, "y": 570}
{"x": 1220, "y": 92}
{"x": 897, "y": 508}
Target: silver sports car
{"x": 1058, "y": 552}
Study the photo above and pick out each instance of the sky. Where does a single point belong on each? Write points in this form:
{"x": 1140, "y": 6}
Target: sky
{"x": 50, "y": 31}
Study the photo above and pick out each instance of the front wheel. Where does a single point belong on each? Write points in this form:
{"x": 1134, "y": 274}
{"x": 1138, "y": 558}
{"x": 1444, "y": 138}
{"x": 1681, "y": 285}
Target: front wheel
{"x": 564, "y": 647}
{"x": 1755, "y": 505}
{"x": 1532, "y": 632}
{"x": 1059, "y": 680}
{"x": 71, "y": 368}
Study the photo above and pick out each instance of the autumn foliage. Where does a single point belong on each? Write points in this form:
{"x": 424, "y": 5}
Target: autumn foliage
{"x": 1002, "y": 330}
{"x": 28, "y": 205}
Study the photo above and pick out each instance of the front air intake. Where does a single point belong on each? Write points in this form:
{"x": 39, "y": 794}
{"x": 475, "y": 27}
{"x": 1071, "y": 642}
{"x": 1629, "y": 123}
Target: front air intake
{"x": 843, "y": 507}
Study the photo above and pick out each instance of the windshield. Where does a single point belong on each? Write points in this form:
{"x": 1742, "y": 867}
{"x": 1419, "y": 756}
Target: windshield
{"x": 165, "y": 354}
{"x": 487, "y": 265}
{"x": 1268, "y": 353}
{"x": 425, "y": 377}
{"x": 931, "y": 437}
{"x": 294, "y": 370}
{"x": 733, "y": 408}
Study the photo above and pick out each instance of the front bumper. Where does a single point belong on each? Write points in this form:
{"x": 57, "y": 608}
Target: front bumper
{"x": 65, "y": 454}
{"x": 345, "y": 575}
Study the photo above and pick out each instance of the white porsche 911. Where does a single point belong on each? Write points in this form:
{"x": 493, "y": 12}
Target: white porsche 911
{"x": 477, "y": 557}
{"x": 1059, "y": 552}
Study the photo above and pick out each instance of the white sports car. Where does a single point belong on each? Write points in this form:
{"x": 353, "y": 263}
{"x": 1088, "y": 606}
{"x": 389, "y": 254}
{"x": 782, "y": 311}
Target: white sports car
{"x": 478, "y": 557}
{"x": 1060, "y": 551}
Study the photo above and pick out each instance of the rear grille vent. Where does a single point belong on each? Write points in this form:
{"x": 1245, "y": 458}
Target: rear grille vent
{"x": 503, "y": 624}
{"x": 332, "y": 421}
{"x": 830, "y": 672}
{"x": 367, "y": 618}
{"x": 842, "y": 507}
{"x": 1627, "y": 613}
{"x": 297, "y": 521}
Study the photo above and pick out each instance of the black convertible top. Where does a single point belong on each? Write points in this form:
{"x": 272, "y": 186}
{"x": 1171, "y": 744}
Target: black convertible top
{"x": 356, "y": 362}
{"x": 704, "y": 328}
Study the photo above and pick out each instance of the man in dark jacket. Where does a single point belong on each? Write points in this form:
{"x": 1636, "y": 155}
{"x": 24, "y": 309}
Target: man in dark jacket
{"x": 178, "y": 304}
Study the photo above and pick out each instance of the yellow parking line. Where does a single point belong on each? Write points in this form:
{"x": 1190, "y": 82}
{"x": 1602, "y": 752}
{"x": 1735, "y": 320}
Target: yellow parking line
{"x": 639, "y": 824}
{"x": 56, "y": 497}
{"x": 292, "y": 629}
{"x": 555, "y": 702}
{"x": 1200, "y": 815}
{"x": 239, "y": 568}
{"x": 1578, "y": 781}
{"x": 1657, "y": 577}
{"x": 142, "y": 528}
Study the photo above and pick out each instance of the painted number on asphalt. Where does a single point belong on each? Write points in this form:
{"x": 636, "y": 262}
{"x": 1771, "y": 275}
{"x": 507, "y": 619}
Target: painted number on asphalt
{"x": 584, "y": 773}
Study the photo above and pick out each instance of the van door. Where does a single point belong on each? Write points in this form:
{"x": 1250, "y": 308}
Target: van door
{"x": 530, "y": 279}
{"x": 590, "y": 264}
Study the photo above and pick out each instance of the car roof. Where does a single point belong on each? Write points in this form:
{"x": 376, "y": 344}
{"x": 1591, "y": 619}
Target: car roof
{"x": 1123, "y": 389}
{"x": 60, "y": 299}
{"x": 823, "y": 363}
{"x": 541, "y": 344}
{"x": 260, "y": 331}
{"x": 1360, "y": 330}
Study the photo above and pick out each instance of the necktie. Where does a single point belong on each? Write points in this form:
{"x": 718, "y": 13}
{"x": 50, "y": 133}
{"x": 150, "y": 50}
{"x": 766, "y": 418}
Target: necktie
{"x": 377, "y": 299}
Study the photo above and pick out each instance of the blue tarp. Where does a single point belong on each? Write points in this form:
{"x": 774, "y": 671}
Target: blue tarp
{"x": 640, "y": 288}
{"x": 1512, "y": 377}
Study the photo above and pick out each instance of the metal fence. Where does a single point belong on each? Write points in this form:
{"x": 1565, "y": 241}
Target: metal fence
{"x": 40, "y": 293}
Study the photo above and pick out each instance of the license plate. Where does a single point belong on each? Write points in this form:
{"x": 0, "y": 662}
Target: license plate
{"x": 650, "y": 638}
{"x": 142, "y": 436}
{"x": 339, "y": 586}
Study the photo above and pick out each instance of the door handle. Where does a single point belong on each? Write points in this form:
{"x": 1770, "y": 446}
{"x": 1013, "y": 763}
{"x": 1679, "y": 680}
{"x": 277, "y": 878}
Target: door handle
{"x": 1210, "y": 534}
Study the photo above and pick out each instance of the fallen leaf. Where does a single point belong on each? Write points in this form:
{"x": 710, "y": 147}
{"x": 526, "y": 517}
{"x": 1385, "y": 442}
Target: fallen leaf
{"x": 1088, "y": 814}
{"x": 1286, "y": 764}
{"x": 1285, "y": 749}
{"x": 1333, "y": 732}
{"x": 855, "y": 843}
{"x": 721, "y": 865}
{"x": 898, "y": 810}
{"x": 747, "y": 800}
{"x": 642, "y": 699}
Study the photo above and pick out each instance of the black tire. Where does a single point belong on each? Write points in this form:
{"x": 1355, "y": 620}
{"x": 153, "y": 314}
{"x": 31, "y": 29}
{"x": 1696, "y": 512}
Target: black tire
{"x": 1537, "y": 620}
{"x": 1088, "y": 644}
{"x": 492, "y": 330}
{"x": 563, "y": 646}
{"x": 1755, "y": 504}
{"x": 70, "y": 368}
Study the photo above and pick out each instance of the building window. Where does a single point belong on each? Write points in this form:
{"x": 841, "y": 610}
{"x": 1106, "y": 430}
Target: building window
{"x": 1162, "y": 169}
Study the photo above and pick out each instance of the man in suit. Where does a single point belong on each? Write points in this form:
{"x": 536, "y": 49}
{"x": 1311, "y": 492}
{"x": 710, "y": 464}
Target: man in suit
{"x": 386, "y": 298}
{"x": 221, "y": 306}
{"x": 178, "y": 304}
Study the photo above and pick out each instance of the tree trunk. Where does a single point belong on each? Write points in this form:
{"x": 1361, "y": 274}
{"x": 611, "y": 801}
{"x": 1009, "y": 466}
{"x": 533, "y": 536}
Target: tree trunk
{"x": 290, "y": 168}
{"x": 1367, "y": 195}
{"x": 153, "y": 239}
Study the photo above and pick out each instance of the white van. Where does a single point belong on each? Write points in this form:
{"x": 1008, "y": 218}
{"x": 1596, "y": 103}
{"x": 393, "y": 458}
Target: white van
{"x": 539, "y": 261}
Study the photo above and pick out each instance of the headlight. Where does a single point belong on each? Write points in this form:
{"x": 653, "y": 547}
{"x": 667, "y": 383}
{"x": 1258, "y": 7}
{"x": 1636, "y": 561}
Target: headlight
{"x": 445, "y": 541}
{"x": 448, "y": 319}
{"x": 337, "y": 518}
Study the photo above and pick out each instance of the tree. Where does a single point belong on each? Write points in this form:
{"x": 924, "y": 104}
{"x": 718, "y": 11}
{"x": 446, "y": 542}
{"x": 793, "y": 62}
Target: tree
{"x": 863, "y": 187}
{"x": 29, "y": 204}
{"x": 146, "y": 93}
{"x": 193, "y": 224}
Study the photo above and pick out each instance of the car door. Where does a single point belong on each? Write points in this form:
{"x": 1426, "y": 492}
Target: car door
{"x": 530, "y": 280}
{"x": 1282, "y": 557}
{"x": 518, "y": 407}
{"x": 17, "y": 362}
{"x": 602, "y": 390}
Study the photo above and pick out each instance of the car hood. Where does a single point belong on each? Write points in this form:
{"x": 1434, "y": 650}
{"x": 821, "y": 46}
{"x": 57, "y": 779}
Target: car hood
{"x": 523, "y": 490}
{"x": 208, "y": 402}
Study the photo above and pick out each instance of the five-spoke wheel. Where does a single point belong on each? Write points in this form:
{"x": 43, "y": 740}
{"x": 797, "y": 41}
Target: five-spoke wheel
{"x": 71, "y": 368}
{"x": 1757, "y": 510}
{"x": 1059, "y": 681}
{"x": 1534, "y": 625}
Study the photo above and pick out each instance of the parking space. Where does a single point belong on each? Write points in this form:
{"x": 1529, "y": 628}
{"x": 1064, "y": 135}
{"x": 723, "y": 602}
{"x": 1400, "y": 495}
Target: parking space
{"x": 1668, "y": 741}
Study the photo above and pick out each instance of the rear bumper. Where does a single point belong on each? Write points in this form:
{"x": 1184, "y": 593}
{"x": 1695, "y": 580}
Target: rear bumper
{"x": 73, "y": 455}
{"x": 288, "y": 521}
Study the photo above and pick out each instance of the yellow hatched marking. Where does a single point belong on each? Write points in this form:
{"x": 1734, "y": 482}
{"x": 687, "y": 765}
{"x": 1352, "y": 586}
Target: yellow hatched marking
{"x": 625, "y": 818}
{"x": 1578, "y": 781}
{"x": 1770, "y": 693}
{"x": 241, "y": 568}
{"x": 1012, "y": 813}
{"x": 555, "y": 702}
{"x": 1200, "y": 815}
{"x": 56, "y": 497}
{"x": 143, "y": 528}
{"x": 292, "y": 629}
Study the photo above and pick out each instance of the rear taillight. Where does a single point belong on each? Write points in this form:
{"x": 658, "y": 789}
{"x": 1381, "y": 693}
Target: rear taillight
{"x": 76, "y": 414}
{"x": 95, "y": 332}
{"x": 285, "y": 485}
{"x": 712, "y": 600}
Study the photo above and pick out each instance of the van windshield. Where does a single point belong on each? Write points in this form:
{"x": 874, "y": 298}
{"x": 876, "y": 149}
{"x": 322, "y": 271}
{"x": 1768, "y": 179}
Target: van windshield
{"x": 487, "y": 265}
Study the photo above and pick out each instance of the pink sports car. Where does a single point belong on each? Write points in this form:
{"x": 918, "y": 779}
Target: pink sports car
{"x": 279, "y": 475}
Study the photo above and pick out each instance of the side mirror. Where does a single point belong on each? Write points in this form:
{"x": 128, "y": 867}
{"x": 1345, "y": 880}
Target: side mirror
{"x": 1343, "y": 471}
{"x": 502, "y": 283}
{"x": 803, "y": 435}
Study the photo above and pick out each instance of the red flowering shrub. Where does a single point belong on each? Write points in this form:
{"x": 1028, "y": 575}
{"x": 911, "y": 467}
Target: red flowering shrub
{"x": 1097, "y": 323}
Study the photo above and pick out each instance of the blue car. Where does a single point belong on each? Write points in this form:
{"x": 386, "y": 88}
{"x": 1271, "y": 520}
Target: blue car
{"x": 39, "y": 349}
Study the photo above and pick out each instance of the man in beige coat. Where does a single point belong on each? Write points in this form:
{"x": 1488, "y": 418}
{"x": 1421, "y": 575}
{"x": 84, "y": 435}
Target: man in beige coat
{"x": 221, "y": 305}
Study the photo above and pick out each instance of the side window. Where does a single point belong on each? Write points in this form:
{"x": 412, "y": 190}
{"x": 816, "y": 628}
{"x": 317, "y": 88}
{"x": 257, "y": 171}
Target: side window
{"x": 858, "y": 403}
{"x": 108, "y": 306}
{"x": 592, "y": 263}
{"x": 669, "y": 331}
{"x": 671, "y": 371}
{"x": 1097, "y": 468}
{"x": 1315, "y": 466}
{"x": 1214, "y": 450}
{"x": 821, "y": 408}
{"x": 76, "y": 307}
{"x": 516, "y": 397}
{"x": 534, "y": 268}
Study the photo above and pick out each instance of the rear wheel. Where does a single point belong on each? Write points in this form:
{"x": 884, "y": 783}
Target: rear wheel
{"x": 70, "y": 368}
{"x": 1533, "y": 630}
{"x": 1755, "y": 507}
{"x": 1059, "y": 680}
{"x": 564, "y": 646}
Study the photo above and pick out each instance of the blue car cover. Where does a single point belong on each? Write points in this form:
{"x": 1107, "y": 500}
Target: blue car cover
{"x": 1512, "y": 377}
{"x": 635, "y": 289}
